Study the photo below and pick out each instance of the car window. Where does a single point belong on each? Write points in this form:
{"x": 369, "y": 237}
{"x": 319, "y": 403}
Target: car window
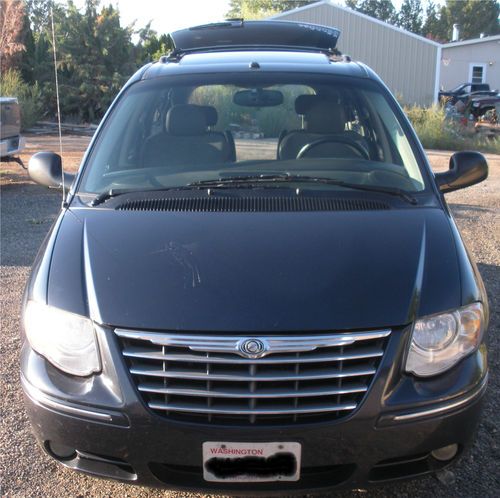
{"x": 178, "y": 130}
{"x": 457, "y": 89}
{"x": 248, "y": 124}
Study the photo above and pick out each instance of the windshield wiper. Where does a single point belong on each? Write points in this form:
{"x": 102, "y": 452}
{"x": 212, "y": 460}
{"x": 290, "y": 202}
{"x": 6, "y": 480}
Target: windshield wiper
{"x": 115, "y": 192}
{"x": 256, "y": 179}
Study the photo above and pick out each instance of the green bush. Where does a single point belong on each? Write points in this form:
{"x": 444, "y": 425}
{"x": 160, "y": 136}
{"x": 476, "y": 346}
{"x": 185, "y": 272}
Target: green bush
{"x": 29, "y": 96}
{"x": 435, "y": 131}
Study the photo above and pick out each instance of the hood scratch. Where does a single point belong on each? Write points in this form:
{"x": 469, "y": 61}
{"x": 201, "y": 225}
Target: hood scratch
{"x": 183, "y": 256}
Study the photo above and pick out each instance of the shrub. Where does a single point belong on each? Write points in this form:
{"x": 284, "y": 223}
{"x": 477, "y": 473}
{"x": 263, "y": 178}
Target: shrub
{"x": 29, "y": 96}
{"x": 435, "y": 131}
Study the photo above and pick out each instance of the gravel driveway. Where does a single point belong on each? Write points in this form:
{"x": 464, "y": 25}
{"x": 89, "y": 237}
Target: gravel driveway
{"x": 27, "y": 212}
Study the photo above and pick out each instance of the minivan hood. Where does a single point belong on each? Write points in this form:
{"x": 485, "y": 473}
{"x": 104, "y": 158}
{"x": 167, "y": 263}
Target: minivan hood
{"x": 245, "y": 272}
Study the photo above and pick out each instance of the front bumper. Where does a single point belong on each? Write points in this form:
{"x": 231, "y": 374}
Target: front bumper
{"x": 390, "y": 436}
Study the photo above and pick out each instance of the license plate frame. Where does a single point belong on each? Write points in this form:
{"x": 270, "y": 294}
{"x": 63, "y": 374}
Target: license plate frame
{"x": 232, "y": 456}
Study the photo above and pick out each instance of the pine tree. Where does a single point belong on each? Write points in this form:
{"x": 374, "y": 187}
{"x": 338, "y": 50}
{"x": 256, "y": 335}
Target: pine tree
{"x": 410, "y": 16}
{"x": 383, "y": 10}
{"x": 433, "y": 27}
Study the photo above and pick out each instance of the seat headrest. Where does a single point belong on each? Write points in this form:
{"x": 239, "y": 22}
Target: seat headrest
{"x": 325, "y": 117}
{"x": 304, "y": 102}
{"x": 210, "y": 114}
{"x": 186, "y": 120}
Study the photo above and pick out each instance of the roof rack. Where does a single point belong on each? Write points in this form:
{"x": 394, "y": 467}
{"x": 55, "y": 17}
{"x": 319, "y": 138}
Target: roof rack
{"x": 237, "y": 34}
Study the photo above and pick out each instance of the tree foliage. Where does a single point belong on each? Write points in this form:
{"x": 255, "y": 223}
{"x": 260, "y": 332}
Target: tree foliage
{"x": 410, "y": 16}
{"x": 11, "y": 34}
{"x": 259, "y": 9}
{"x": 151, "y": 46}
{"x": 383, "y": 10}
{"x": 94, "y": 57}
{"x": 473, "y": 16}
{"x": 433, "y": 26}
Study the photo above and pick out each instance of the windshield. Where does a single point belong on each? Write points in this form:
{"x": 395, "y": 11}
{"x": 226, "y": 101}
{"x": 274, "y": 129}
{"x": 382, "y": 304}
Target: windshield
{"x": 179, "y": 130}
{"x": 460, "y": 88}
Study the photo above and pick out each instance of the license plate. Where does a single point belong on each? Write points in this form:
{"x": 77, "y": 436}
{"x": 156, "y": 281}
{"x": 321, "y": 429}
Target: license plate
{"x": 251, "y": 462}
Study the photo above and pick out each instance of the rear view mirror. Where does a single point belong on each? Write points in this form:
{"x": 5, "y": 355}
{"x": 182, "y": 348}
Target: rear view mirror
{"x": 466, "y": 168}
{"x": 258, "y": 97}
{"x": 45, "y": 168}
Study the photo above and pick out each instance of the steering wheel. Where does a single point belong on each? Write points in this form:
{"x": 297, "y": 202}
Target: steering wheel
{"x": 340, "y": 140}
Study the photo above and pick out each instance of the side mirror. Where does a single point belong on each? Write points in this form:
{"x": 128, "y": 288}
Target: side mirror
{"x": 45, "y": 168}
{"x": 466, "y": 168}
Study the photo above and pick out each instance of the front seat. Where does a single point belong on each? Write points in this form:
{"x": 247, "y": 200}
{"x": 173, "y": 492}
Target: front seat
{"x": 187, "y": 140}
{"x": 323, "y": 118}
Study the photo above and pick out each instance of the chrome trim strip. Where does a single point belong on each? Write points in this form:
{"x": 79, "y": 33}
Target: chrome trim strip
{"x": 176, "y": 374}
{"x": 38, "y": 397}
{"x": 248, "y": 411}
{"x": 248, "y": 394}
{"x": 444, "y": 407}
{"x": 229, "y": 344}
{"x": 157, "y": 355}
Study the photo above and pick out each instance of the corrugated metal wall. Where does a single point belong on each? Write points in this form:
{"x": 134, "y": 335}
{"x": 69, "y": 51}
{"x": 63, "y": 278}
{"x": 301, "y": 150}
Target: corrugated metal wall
{"x": 406, "y": 63}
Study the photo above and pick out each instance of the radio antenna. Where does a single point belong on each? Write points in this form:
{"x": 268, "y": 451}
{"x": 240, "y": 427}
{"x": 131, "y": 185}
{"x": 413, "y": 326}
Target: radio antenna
{"x": 57, "y": 99}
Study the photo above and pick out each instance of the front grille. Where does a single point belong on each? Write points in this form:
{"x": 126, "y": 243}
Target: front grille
{"x": 297, "y": 379}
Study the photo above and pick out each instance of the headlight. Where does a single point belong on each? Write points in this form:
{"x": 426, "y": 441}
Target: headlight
{"x": 440, "y": 341}
{"x": 67, "y": 340}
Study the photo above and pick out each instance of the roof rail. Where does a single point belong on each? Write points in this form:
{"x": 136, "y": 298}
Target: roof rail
{"x": 237, "y": 34}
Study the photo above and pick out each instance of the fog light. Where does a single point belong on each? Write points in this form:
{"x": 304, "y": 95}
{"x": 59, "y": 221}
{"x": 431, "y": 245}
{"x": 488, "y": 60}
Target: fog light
{"x": 445, "y": 453}
{"x": 60, "y": 451}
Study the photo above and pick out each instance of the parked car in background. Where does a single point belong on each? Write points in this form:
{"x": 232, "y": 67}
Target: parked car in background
{"x": 286, "y": 308}
{"x": 464, "y": 91}
{"x": 479, "y": 105}
{"x": 11, "y": 141}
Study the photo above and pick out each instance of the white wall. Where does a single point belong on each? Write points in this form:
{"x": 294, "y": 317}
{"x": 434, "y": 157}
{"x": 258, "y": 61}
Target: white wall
{"x": 457, "y": 60}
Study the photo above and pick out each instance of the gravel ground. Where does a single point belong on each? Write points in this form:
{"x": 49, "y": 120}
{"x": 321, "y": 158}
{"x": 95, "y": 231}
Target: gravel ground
{"x": 27, "y": 212}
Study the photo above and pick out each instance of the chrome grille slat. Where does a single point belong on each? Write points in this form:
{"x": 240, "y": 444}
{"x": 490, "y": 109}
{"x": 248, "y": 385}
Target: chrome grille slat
{"x": 227, "y": 344}
{"x": 228, "y": 410}
{"x": 209, "y": 378}
{"x": 247, "y": 394}
{"x": 179, "y": 374}
{"x": 281, "y": 359}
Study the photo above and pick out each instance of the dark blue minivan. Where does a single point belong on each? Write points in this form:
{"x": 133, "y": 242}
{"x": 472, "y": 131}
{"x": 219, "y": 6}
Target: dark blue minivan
{"x": 254, "y": 284}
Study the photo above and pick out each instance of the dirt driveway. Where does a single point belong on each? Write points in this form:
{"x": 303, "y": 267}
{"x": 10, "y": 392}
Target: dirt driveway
{"x": 27, "y": 212}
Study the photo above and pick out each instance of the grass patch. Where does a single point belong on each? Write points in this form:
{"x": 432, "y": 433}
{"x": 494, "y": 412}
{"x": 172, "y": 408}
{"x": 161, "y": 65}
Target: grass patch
{"x": 437, "y": 132}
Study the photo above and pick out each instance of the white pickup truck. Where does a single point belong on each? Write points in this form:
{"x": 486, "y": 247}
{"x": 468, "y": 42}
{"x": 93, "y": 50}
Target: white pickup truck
{"x": 11, "y": 141}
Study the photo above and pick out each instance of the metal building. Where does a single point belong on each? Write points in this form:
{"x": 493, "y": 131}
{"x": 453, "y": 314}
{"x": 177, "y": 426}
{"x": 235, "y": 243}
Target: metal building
{"x": 409, "y": 64}
{"x": 471, "y": 61}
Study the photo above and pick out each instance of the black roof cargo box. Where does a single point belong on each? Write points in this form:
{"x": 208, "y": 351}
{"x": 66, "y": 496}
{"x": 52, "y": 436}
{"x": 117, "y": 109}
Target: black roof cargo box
{"x": 248, "y": 35}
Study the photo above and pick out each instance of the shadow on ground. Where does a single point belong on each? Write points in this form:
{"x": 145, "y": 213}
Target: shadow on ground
{"x": 470, "y": 211}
